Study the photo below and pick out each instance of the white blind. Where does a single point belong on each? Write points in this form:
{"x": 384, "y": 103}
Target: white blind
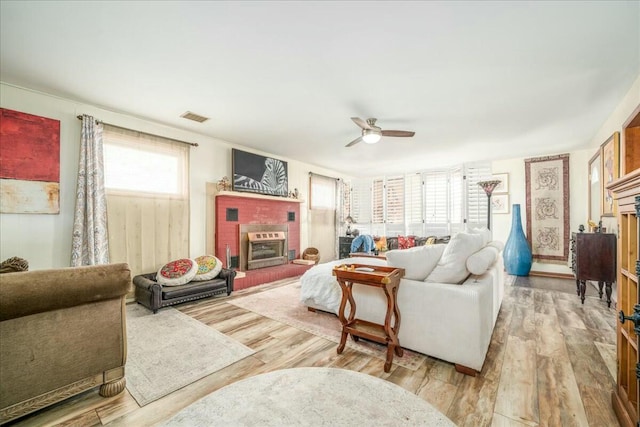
{"x": 322, "y": 192}
{"x": 148, "y": 198}
{"x": 436, "y": 202}
{"x": 476, "y": 197}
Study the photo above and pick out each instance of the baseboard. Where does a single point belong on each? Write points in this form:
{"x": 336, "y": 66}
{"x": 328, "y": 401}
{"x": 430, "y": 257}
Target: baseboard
{"x": 552, "y": 274}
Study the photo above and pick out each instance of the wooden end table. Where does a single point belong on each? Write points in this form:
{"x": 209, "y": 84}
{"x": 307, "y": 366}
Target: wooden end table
{"x": 385, "y": 278}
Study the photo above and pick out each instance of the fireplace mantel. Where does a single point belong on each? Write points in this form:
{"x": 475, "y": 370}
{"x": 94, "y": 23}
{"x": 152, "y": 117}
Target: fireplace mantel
{"x": 257, "y": 196}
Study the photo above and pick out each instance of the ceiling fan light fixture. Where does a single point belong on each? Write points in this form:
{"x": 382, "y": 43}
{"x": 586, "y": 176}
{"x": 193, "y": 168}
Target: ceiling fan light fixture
{"x": 371, "y": 136}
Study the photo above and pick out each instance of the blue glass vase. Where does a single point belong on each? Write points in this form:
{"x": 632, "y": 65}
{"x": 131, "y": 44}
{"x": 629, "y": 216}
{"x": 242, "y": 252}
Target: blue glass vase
{"x": 517, "y": 253}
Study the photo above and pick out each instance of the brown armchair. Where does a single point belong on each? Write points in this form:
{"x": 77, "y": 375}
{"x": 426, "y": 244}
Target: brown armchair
{"x": 63, "y": 331}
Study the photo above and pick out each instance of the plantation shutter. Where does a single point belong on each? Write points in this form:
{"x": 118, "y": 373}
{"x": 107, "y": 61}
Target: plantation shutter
{"x": 413, "y": 204}
{"x": 394, "y": 204}
{"x": 456, "y": 192}
{"x": 436, "y": 203}
{"x": 476, "y": 199}
{"x": 361, "y": 204}
{"x": 377, "y": 216}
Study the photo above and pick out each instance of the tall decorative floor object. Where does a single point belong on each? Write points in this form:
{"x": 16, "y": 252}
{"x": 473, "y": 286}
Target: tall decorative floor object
{"x": 517, "y": 253}
{"x": 488, "y": 187}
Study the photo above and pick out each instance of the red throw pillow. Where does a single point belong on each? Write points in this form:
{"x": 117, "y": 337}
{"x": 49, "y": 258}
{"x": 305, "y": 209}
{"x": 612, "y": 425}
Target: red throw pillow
{"x": 406, "y": 242}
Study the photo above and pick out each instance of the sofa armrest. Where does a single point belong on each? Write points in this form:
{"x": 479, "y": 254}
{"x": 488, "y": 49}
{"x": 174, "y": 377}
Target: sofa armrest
{"x": 146, "y": 281}
{"x": 48, "y": 290}
{"x": 229, "y": 276}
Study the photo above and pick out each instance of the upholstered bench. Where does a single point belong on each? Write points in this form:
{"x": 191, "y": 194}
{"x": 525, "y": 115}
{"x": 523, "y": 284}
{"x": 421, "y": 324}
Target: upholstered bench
{"x": 154, "y": 296}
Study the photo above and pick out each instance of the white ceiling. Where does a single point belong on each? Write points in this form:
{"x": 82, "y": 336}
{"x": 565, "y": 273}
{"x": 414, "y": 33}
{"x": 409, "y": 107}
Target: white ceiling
{"x": 474, "y": 80}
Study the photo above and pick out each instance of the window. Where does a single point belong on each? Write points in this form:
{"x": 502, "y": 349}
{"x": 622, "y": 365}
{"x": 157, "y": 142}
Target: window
{"x": 146, "y": 178}
{"x": 322, "y": 192}
{"x": 361, "y": 205}
{"x": 436, "y": 202}
{"x": 413, "y": 204}
{"x": 137, "y": 163}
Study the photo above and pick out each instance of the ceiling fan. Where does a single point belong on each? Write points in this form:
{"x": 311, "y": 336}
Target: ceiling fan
{"x": 372, "y": 133}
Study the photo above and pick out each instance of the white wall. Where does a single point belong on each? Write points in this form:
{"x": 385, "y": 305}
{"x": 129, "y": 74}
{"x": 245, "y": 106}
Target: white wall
{"x": 45, "y": 240}
{"x": 578, "y": 173}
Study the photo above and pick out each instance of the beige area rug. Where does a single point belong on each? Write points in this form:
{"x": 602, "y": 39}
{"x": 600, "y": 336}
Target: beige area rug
{"x": 283, "y": 305}
{"x": 310, "y": 397}
{"x": 169, "y": 350}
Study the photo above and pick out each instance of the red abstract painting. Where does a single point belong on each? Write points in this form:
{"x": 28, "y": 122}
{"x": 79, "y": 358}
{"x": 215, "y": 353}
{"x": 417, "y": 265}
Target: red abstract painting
{"x": 29, "y": 163}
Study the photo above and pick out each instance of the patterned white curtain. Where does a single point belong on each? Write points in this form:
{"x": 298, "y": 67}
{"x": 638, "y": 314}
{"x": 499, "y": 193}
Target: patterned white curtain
{"x": 90, "y": 245}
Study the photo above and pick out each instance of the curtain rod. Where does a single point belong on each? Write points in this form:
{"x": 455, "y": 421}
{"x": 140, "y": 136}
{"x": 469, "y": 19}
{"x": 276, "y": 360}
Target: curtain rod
{"x": 193, "y": 144}
{"x": 323, "y": 176}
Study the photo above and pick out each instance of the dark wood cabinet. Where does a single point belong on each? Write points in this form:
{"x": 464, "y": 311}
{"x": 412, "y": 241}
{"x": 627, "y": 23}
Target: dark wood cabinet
{"x": 594, "y": 258}
{"x": 344, "y": 246}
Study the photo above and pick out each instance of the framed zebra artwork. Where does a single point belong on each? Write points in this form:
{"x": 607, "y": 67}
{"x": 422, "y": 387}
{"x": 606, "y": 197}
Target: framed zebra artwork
{"x": 259, "y": 174}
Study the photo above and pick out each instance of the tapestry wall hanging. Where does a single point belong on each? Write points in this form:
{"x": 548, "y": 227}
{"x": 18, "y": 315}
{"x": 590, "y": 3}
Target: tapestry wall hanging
{"x": 547, "y": 186}
{"x": 259, "y": 174}
{"x": 29, "y": 163}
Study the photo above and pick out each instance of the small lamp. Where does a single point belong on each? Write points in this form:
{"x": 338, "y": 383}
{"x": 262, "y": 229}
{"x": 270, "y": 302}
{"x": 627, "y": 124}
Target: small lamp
{"x": 349, "y": 220}
{"x": 488, "y": 187}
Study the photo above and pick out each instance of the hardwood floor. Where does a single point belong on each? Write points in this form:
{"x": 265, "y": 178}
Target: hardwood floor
{"x": 550, "y": 363}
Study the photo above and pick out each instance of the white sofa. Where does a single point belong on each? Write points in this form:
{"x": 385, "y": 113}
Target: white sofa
{"x": 449, "y": 321}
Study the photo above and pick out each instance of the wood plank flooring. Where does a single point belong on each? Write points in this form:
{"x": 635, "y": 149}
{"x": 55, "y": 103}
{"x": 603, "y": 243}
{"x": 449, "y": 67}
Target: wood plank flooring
{"x": 550, "y": 363}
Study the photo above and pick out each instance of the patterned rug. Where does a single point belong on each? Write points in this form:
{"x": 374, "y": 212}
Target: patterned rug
{"x": 283, "y": 305}
{"x": 169, "y": 350}
{"x": 310, "y": 397}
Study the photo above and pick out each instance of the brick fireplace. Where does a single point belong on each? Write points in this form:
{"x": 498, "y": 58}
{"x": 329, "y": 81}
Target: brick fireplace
{"x": 238, "y": 214}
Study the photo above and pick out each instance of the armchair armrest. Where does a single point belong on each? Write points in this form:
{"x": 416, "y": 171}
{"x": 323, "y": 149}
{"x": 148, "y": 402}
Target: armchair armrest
{"x": 53, "y": 289}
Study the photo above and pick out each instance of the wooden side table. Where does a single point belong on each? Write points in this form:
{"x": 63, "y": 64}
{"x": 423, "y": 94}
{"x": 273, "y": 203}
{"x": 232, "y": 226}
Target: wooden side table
{"x": 385, "y": 278}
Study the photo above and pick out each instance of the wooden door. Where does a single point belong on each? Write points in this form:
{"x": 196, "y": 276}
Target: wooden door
{"x": 625, "y": 398}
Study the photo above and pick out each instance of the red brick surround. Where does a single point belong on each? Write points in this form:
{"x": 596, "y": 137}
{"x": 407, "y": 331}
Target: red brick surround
{"x": 252, "y": 209}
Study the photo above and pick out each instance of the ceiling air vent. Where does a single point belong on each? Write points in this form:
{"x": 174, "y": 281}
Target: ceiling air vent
{"x": 195, "y": 117}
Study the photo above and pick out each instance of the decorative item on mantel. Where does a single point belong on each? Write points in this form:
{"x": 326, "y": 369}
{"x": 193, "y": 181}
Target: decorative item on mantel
{"x": 295, "y": 194}
{"x": 488, "y": 187}
{"x": 224, "y": 184}
{"x": 517, "y": 253}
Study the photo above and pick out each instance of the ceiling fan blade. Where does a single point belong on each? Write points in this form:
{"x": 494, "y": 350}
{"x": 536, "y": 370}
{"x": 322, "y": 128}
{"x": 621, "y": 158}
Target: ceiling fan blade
{"x": 360, "y": 122}
{"x": 354, "y": 142}
{"x": 399, "y": 133}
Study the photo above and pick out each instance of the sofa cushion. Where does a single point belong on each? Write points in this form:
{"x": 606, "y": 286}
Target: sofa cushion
{"x": 208, "y": 268}
{"x": 381, "y": 243}
{"x": 484, "y": 232}
{"x": 482, "y": 260}
{"x": 417, "y": 262}
{"x": 406, "y": 242}
{"x": 178, "y": 272}
{"x": 452, "y": 266}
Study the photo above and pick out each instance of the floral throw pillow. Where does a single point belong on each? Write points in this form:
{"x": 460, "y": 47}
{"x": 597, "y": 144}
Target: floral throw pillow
{"x": 178, "y": 272}
{"x": 208, "y": 267}
{"x": 406, "y": 242}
